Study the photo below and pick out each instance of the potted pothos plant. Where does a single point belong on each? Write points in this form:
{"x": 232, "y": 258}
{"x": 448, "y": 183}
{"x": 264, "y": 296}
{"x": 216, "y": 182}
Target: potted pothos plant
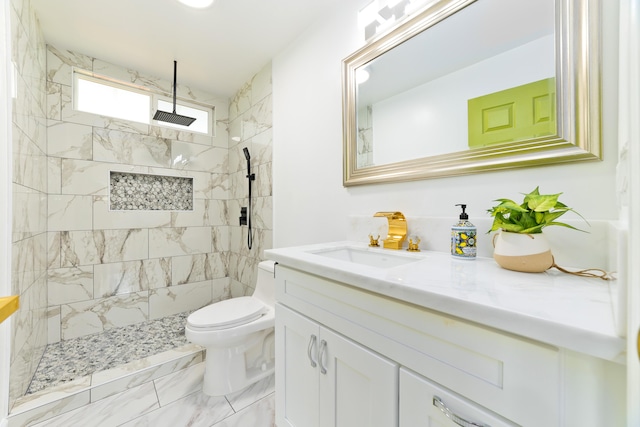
{"x": 520, "y": 245}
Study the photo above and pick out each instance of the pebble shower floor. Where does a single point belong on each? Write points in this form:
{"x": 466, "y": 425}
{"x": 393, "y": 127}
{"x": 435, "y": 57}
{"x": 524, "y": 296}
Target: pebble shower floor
{"x": 77, "y": 357}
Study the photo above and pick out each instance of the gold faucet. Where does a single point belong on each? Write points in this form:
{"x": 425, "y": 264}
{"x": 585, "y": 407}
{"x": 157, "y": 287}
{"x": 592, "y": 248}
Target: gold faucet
{"x": 397, "y": 229}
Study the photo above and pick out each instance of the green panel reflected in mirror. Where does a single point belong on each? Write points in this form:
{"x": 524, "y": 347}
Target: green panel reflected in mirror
{"x": 517, "y": 114}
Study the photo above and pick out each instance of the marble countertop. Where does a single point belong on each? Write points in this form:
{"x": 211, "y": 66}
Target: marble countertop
{"x": 556, "y": 308}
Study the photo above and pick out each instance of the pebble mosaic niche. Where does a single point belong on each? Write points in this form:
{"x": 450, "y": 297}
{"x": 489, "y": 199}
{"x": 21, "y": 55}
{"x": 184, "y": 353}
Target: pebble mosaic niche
{"x": 137, "y": 192}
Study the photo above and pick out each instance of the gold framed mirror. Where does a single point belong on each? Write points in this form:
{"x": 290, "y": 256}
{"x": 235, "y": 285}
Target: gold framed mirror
{"x": 458, "y": 71}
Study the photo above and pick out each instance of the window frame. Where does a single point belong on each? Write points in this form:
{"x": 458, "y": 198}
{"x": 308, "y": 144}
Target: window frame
{"x": 154, "y": 97}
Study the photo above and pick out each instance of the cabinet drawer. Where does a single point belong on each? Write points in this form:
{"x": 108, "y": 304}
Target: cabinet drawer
{"x": 424, "y": 403}
{"x": 510, "y": 375}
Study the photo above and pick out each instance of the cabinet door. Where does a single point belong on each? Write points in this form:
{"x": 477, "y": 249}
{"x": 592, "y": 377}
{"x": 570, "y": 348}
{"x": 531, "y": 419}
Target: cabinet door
{"x": 426, "y": 404}
{"x": 358, "y": 387}
{"x": 297, "y": 389}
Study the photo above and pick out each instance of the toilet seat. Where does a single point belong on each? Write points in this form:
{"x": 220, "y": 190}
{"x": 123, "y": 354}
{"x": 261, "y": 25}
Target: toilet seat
{"x": 227, "y": 314}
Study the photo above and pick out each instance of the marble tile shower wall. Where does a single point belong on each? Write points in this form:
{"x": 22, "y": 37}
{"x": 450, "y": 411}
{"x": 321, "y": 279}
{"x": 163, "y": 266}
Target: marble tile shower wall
{"x": 29, "y": 197}
{"x": 250, "y": 121}
{"x": 108, "y": 268}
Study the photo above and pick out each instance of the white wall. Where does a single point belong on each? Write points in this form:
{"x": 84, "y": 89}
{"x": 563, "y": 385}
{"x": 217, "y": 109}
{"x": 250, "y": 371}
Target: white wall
{"x": 310, "y": 203}
{"x": 629, "y": 183}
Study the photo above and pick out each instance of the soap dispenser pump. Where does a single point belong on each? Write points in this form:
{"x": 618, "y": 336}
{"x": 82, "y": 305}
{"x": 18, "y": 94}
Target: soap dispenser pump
{"x": 463, "y": 237}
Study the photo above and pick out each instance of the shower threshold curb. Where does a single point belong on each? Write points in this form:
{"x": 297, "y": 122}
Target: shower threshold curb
{"x": 56, "y": 400}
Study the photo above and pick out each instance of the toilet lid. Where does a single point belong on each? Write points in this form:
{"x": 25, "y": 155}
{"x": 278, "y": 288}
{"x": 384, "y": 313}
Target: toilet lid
{"x": 227, "y": 313}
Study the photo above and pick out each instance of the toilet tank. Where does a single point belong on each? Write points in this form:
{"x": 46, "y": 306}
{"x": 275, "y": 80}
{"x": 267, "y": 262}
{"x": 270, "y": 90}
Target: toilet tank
{"x": 265, "y": 285}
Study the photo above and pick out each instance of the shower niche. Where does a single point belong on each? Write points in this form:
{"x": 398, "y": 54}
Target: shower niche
{"x": 144, "y": 192}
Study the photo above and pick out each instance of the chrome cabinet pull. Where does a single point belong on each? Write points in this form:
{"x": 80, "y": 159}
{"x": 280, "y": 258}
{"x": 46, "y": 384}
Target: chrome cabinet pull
{"x": 312, "y": 343}
{"x": 452, "y": 416}
{"x": 321, "y": 352}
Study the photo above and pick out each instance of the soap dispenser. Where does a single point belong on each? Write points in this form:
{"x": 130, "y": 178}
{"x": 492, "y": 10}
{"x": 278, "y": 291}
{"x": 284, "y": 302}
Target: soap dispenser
{"x": 463, "y": 237}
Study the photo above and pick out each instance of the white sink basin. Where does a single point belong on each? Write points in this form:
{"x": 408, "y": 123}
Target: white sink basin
{"x": 374, "y": 258}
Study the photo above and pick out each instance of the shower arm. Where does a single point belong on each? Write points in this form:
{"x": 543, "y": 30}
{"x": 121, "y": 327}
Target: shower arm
{"x": 175, "y": 87}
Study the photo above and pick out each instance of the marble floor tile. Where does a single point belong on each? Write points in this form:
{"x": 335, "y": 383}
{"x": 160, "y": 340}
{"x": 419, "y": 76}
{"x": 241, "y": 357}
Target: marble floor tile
{"x": 259, "y": 414}
{"x": 43, "y": 405}
{"x": 168, "y": 361}
{"x": 253, "y": 393}
{"x": 112, "y": 381}
{"x": 180, "y": 384}
{"x": 194, "y": 410}
{"x": 111, "y": 411}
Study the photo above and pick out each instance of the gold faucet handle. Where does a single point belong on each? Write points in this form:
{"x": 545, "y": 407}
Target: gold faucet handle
{"x": 373, "y": 242}
{"x": 413, "y": 247}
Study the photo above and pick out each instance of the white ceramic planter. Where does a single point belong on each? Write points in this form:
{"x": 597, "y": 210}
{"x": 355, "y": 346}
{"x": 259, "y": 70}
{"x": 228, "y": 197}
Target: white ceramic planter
{"x": 529, "y": 253}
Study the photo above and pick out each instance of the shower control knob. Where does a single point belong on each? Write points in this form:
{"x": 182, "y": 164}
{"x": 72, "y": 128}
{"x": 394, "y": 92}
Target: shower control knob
{"x": 243, "y": 215}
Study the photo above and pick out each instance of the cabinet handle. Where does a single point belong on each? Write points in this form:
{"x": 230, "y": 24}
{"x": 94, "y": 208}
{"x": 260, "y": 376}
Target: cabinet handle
{"x": 312, "y": 343}
{"x": 321, "y": 352}
{"x": 452, "y": 416}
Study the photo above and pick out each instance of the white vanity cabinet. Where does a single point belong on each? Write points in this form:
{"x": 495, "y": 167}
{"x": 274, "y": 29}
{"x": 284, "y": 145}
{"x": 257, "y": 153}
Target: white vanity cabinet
{"x": 386, "y": 359}
{"x": 325, "y": 379}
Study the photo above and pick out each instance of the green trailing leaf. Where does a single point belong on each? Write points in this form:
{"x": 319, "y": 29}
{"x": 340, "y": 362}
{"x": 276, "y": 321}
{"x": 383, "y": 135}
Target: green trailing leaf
{"x": 543, "y": 203}
{"x": 536, "y": 212}
{"x": 515, "y": 228}
{"x": 533, "y": 230}
{"x": 562, "y": 224}
{"x": 549, "y": 217}
{"x": 509, "y": 205}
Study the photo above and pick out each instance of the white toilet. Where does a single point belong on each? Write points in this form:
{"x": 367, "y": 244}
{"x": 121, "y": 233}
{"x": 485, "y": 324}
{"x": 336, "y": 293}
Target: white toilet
{"x": 238, "y": 335}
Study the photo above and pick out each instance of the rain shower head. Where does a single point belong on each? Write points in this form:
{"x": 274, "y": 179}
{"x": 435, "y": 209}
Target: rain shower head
{"x": 246, "y": 153}
{"x": 163, "y": 116}
{"x": 174, "y": 118}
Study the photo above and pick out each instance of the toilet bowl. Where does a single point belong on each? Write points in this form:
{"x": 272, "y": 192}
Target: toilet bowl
{"x": 238, "y": 335}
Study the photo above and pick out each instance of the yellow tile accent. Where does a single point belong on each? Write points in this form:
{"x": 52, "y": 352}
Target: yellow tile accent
{"x": 7, "y": 306}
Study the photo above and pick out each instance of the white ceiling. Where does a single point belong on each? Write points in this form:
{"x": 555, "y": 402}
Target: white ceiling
{"x": 217, "y": 49}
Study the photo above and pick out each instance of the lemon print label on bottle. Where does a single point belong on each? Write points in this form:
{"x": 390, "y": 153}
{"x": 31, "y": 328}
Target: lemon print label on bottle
{"x": 463, "y": 237}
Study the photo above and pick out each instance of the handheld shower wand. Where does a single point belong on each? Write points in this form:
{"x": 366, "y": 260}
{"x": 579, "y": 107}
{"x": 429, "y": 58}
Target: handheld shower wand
{"x": 251, "y": 177}
{"x": 247, "y": 156}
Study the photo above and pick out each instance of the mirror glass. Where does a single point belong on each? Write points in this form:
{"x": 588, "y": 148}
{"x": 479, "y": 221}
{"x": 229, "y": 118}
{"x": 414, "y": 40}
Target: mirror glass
{"x": 473, "y": 85}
